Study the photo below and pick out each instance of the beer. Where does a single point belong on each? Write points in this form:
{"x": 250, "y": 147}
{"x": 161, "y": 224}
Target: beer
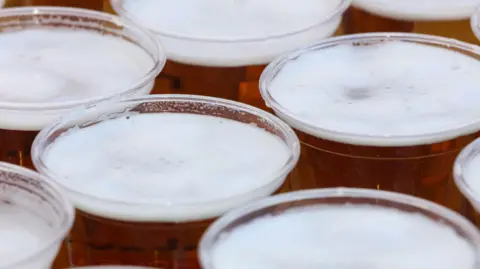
{"x": 34, "y": 218}
{"x": 443, "y": 18}
{"x": 112, "y": 267}
{"x": 148, "y": 175}
{"x": 219, "y": 48}
{"x": 90, "y": 4}
{"x": 341, "y": 228}
{"x": 380, "y": 111}
{"x": 55, "y": 59}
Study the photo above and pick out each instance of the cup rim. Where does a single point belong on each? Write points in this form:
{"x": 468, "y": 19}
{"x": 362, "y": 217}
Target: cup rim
{"x": 475, "y": 22}
{"x": 208, "y": 238}
{"x": 67, "y": 208}
{"x": 291, "y": 141}
{"x": 156, "y": 53}
{"x": 462, "y": 160}
{"x": 275, "y": 66}
{"x": 343, "y": 5}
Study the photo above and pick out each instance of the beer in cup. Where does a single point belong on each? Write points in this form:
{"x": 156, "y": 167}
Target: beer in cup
{"x": 35, "y": 217}
{"x": 148, "y": 175}
{"x": 219, "y": 48}
{"x": 90, "y": 4}
{"x": 386, "y": 111}
{"x": 342, "y": 229}
{"x": 448, "y": 18}
{"x": 55, "y": 59}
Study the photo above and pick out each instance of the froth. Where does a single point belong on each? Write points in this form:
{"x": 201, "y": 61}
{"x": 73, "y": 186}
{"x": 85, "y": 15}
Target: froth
{"x": 418, "y": 10}
{"x": 55, "y": 65}
{"x": 22, "y": 233}
{"x": 181, "y": 164}
{"x": 343, "y": 237}
{"x": 390, "y": 93}
{"x": 236, "y": 21}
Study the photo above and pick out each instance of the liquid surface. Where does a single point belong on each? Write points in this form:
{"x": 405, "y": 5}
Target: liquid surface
{"x": 230, "y": 19}
{"x": 21, "y": 234}
{"x": 59, "y": 65}
{"x": 343, "y": 237}
{"x": 420, "y": 9}
{"x": 391, "y": 93}
{"x": 167, "y": 160}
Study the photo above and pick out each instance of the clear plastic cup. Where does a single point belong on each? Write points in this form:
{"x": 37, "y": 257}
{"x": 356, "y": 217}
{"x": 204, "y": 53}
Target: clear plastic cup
{"x": 35, "y": 217}
{"x": 229, "y": 66}
{"x": 160, "y": 232}
{"x": 21, "y": 121}
{"x": 466, "y": 177}
{"x": 475, "y": 23}
{"x": 267, "y": 211}
{"x": 418, "y": 162}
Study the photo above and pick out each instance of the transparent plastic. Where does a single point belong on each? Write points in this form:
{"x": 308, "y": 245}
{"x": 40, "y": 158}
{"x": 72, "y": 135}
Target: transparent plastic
{"x": 229, "y": 52}
{"x": 475, "y": 23}
{"x": 464, "y": 159}
{"x": 275, "y": 205}
{"x": 38, "y": 196}
{"x": 156, "y": 222}
{"x": 34, "y": 116}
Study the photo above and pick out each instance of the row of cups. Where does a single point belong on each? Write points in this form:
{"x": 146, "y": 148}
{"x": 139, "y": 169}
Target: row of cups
{"x": 40, "y": 193}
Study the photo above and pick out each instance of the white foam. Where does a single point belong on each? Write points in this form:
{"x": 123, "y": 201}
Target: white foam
{"x": 22, "y": 233}
{"x": 391, "y": 93}
{"x": 179, "y": 165}
{"x": 420, "y": 10}
{"x": 343, "y": 237}
{"x": 234, "y": 20}
{"x": 54, "y": 65}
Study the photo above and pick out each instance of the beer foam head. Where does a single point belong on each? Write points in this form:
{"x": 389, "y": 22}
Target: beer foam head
{"x": 420, "y": 10}
{"x": 198, "y": 31}
{"x": 22, "y": 234}
{"x": 48, "y": 66}
{"x": 343, "y": 237}
{"x": 385, "y": 93}
{"x": 166, "y": 166}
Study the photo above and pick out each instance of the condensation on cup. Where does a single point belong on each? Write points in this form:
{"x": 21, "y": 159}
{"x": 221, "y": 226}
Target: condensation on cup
{"x": 219, "y": 48}
{"x": 443, "y": 18}
{"x": 380, "y": 111}
{"x": 35, "y": 217}
{"x": 55, "y": 59}
{"x": 148, "y": 175}
{"x": 343, "y": 229}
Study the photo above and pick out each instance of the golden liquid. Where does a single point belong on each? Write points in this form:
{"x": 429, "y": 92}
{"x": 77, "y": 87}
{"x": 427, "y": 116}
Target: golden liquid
{"x": 15, "y": 147}
{"x": 424, "y": 171}
{"x": 359, "y": 21}
{"x": 90, "y": 4}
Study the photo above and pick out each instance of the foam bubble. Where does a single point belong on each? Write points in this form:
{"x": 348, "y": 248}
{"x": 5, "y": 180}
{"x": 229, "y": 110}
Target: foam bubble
{"x": 180, "y": 164}
{"x": 22, "y": 233}
{"x": 234, "y": 20}
{"x": 55, "y": 65}
{"x": 345, "y": 237}
{"x": 390, "y": 93}
{"x": 420, "y": 10}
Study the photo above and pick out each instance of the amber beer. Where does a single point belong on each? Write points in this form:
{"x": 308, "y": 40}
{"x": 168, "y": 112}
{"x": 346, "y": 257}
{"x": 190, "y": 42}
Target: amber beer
{"x": 380, "y": 111}
{"x": 343, "y": 229}
{"x": 35, "y": 217}
{"x": 220, "y": 48}
{"x": 48, "y": 68}
{"x": 443, "y": 18}
{"x": 148, "y": 175}
{"x": 90, "y": 4}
